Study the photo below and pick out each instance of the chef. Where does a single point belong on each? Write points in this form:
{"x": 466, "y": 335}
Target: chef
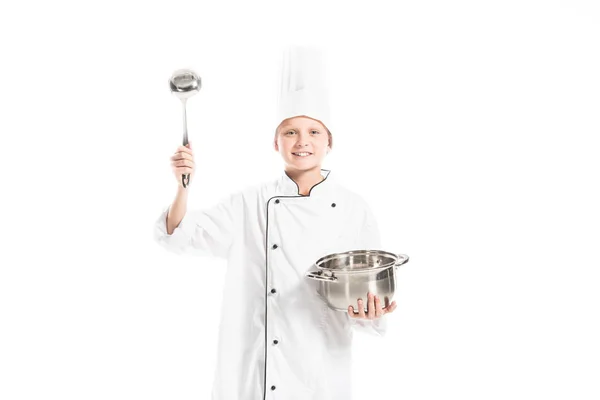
{"x": 278, "y": 338}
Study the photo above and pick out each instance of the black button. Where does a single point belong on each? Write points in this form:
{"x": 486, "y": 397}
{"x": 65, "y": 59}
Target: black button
{"x": 275, "y": 246}
{"x": 273, "y": 387}
{"x": 332, "y": 204}
{"x": 277, "y": 201}
{"x": 273, "y": 291}
{"x": 275, "y": 341}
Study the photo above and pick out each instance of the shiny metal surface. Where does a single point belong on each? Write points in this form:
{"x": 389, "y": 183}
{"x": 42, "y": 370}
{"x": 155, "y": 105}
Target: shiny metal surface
{"x": 342, "y": 278}
{"x": 185, "y": 83}
{"x": 319, "y": 276}
{"x": 360, "y": 260}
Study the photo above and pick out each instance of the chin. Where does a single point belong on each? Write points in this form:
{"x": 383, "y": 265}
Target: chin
{"x": 304, "y": 167}
{"x": 298, "y": 165}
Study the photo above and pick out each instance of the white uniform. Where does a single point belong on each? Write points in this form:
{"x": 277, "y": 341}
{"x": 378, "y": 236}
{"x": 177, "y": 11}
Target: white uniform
{"x": 278, "y": 338}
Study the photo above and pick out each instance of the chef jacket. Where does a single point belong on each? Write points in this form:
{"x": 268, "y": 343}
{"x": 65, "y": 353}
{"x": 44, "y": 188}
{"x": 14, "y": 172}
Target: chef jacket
{"x": 278, "y": 338}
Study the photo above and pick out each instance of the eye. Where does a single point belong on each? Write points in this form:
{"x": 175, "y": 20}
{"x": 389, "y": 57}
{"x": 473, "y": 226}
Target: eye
{"x": 314, "y": 131}
{"x": 288, "y": 132}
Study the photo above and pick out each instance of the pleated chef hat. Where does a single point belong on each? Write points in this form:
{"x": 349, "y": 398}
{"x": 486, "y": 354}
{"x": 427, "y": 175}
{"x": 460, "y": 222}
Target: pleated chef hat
{"x": 303, "y": 85}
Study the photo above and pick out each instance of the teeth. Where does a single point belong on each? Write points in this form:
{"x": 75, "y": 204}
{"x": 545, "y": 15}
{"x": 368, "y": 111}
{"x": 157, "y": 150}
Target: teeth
{"x": 301, "y": 154}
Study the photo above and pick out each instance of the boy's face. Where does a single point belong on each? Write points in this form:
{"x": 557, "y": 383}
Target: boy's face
{"x": 300, "y": 135}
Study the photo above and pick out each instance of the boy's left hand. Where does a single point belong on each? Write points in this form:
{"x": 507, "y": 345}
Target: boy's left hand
{"x": 374, "y": 309}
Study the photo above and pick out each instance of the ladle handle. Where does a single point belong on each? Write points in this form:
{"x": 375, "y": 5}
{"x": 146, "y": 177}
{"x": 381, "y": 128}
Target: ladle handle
{"x": 185, "y": 178}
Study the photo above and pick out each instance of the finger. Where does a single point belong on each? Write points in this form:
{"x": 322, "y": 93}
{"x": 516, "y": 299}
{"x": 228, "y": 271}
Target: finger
{"x": 181, "y": 156}
{"x": 387, "y": 302}
{"x": 184, "y": 149}
{"x": 183, "y": 163}
{"x": 176, "y": 165}
{"x": 361, "y": 309}
{"x": 371, "y": 306}
{"x": 390, "y": 308}
{"x": 351, "y": 312}
{"x": 378, "y": 311}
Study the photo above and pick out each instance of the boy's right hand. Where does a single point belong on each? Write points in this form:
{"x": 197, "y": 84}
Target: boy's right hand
{"x": 182, "y": 162}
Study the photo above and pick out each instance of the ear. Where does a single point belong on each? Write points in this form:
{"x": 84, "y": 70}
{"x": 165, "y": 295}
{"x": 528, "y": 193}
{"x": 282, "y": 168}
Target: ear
{"x": 275, "y": 145}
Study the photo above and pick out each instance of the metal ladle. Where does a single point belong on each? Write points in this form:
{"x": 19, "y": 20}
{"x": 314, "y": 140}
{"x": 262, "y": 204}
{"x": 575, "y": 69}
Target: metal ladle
{"x": 184, "y": 83}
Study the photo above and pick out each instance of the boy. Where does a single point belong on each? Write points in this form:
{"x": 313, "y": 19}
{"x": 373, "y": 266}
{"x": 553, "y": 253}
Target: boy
{"x": 278, "y": 338}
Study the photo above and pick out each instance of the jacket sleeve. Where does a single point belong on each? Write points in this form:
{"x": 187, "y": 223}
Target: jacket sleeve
{"x": 202, "y": 232}
{"x": 374, "y": 327}
{"x": 369, "y": 239}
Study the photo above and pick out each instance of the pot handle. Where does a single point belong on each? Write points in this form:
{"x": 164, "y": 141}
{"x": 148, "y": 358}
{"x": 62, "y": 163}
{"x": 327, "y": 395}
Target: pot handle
{"x": 318, "y": 275}
{"x": 402, "y": 259}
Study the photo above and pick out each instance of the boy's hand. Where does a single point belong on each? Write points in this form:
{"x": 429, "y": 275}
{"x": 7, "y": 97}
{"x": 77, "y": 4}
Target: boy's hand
{"x": 374, "y": 309}
{"x": 182, "y": 162}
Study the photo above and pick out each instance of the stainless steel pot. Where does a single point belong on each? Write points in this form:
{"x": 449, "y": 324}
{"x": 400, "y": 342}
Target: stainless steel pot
{"x": 345, "y": 277}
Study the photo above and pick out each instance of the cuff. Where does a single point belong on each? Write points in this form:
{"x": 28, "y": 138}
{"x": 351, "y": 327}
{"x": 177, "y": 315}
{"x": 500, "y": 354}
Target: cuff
{"x": 181, "y": 236}
{"x": 376, "y": 327}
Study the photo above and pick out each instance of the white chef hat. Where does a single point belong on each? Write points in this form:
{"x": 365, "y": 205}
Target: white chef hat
{"x": 303, "y": 86}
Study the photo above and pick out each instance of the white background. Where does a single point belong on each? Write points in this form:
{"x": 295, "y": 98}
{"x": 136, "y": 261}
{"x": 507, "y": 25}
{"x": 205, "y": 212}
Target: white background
{"x": 470, "y": 127}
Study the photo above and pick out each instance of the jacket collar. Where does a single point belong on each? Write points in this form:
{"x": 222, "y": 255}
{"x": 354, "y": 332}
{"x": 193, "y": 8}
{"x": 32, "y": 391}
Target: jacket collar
{"x": 287, "y": 187}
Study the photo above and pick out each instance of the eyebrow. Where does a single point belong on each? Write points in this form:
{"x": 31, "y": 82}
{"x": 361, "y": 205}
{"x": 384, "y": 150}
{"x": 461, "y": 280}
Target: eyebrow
{"x": 289, "y": 126}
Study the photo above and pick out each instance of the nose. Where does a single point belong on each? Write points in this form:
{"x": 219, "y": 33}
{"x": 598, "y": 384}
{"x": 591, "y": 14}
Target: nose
{"x": 302, "y": 141}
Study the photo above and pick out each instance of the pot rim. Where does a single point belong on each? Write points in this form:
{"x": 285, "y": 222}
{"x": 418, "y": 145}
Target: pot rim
{"x": 395, "y": 261}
